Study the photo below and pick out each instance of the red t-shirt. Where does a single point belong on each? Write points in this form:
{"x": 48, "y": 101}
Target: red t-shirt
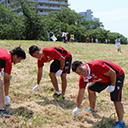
{"x": 5, "y": 60}
{"x": 52, "y": 53}
{"x": 98, "y": 68}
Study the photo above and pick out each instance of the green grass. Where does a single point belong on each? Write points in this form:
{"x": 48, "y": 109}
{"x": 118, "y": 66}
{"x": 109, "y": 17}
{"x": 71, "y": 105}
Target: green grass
{"x": 40, "y": 110}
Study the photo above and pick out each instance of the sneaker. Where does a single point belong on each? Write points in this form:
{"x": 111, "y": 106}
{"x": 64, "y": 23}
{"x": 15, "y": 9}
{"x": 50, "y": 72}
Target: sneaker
{"x": 60, "y": 98}
{"x": 3, "y": 112}
{"x": 89, "y": 109}
{"x": 55, "y": 95}
{"x": 119, "y": 124}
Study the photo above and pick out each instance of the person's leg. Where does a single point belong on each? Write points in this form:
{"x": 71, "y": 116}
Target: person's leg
{"x": 92, "y": 99}
{"x": 54, "y": 67}
{"x": 119, "y": 110}
{"x": 120, "y": 49}
{"x": 54, "y": 81}
{"x": 64, "y": 83}
{"x": 116, "y": 96}
{"x": 92, "y": 89}
{"x": 1, "y": 95}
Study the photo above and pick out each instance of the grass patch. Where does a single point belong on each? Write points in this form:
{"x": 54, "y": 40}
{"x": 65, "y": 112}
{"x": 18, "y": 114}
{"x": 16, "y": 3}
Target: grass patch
{"x": 40, "y": 110}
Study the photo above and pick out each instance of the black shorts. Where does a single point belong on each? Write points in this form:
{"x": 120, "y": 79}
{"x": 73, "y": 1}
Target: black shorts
{"x": 55, "y": 65}
{"x": 116, "y": 94}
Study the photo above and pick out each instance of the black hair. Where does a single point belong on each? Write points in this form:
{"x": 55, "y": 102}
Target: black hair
{"x": 33, "y": 49}
{"x": 19, "y": 52}
{"x": 118, "y": 37}
{"x": 76, "y": 64}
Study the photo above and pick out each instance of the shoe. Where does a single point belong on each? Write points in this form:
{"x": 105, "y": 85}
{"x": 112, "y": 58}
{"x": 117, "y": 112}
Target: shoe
{"x": 3, "y": 112}
{"x": 89, "y": 109}
{"x": 119, "y": 124}
{"x": 60, "y": 98}
{"x": 55, "y": 95}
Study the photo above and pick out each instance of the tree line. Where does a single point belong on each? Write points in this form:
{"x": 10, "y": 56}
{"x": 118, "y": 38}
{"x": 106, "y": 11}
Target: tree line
{"x": 31, "y": 26}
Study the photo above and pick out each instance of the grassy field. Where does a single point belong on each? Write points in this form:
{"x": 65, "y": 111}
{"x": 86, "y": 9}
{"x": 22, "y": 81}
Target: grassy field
{"x": 40, "y": 110}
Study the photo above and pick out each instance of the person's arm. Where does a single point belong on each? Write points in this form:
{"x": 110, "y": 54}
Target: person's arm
{"x": 112, "y": 74}
{"x": 6, "y": 88}
{"x": 39, "y": 75}
{"x": 6, "y": 83}
{"x": 79, "y": 101}
{"x": 115, "y": 41}
{"x": 62, "y": 62}
{"x": 80, "y": 97}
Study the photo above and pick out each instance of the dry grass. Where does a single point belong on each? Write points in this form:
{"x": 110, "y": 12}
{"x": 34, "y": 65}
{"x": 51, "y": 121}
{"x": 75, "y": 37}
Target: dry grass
{"x": 40, "y": 110}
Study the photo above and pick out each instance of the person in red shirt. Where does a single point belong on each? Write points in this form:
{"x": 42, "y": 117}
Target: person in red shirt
{"x": 6, "y": 60}
{"x": 60, "y": 66}
{"x": 101, "y": 74}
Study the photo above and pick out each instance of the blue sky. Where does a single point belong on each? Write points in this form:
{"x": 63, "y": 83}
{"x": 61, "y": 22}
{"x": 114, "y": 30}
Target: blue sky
{"x": 112, "y": 13}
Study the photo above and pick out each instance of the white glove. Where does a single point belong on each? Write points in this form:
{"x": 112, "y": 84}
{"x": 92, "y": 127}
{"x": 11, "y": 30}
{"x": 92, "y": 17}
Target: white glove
{"x": 10, "y": 77}
{"x": 7, "y": 100}
{"x": 2, "y": 73}
{"x": 35, "y": 88}
{"x": 75, "y": 111}
{"x": 59, "y": 72}
{"x": 111, "y": 89}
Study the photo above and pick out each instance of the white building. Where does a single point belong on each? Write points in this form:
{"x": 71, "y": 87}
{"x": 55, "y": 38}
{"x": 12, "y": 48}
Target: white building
{"x": 88, "y": 15}
{"x": 43, "y": 6}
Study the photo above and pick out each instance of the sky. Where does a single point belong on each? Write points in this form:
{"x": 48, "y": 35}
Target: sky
{"x": 112, "y": 13}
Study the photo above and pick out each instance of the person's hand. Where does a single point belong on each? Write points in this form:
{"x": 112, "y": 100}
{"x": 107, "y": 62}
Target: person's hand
{"x": 59, "y": 72}
{"x": 110, "y": 89}
{"x": 35, "y": 88}
{"x": 2, "y": 73}
{"x": 10, "y": 77}
{"x": 7, "y": 100}
{"x": 75, "y": 111}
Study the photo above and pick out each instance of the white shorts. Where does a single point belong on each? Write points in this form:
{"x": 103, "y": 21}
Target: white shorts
{"x": 118, "y": 46}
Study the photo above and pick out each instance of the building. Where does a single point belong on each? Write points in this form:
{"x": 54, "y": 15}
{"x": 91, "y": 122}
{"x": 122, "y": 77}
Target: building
{"x": 88, "y": 15}
{"x": 43, "y": 6}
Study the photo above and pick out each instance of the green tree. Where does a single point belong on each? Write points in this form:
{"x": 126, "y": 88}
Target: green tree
{"x": 112, "y": 36}
{"x": 10, "y": 25}
{"x": 33, "y": 24}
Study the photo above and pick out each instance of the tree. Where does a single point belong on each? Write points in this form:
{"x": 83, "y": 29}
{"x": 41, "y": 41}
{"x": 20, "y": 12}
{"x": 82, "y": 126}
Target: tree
{"x": 112, "y": 36}
{"x": 10, "y": 26}
{"x": 33, "y": 24}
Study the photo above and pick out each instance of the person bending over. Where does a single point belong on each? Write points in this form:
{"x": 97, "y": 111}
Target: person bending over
{"x": 60, "y": 66}
{"x": 101, "y": 74}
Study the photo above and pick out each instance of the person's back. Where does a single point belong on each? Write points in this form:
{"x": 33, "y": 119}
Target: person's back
{"x": 117, "y": 43}
{"x": 5, "y": 60}
{"x": 3, "y": 53}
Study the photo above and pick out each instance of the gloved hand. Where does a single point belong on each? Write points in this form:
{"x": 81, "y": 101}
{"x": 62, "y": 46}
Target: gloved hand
{"x": 7, "y": 100}
{"x": 10, "y": 77}
{"x": 35, "y": 88}
{"x": 2, "y": 73}
{"x": 111, "y": 88}
{"x": 75, "y": 111}
{"x": 59, "y": 72}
